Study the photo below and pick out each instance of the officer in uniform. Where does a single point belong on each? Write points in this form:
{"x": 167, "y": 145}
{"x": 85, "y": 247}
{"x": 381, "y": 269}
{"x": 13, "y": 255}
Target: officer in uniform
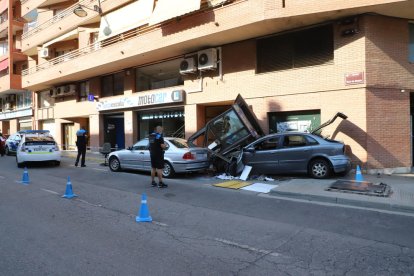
{"x": 156, "y": 147}
{"x": 81, "y": 144}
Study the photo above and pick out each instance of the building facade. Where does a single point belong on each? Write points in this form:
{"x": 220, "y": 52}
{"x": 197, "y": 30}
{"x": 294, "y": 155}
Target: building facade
{"x": 16, "y": 111}
{"x": 121, "y": 67}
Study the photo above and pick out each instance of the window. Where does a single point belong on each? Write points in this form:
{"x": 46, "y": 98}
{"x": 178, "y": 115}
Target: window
{"x": 291, "y": 141}
{"x": 83, "y": 91}
{"x": 311, "y": 141}
{"x": 268, "y": 144}
{"x": 294, "y": 50}
{"x": 24, "y": 100}
{"x": 411, "y": 43}
{"x": 113, "y": 85}
{"x": 141, "y": 145}
{"x": 161, "y": 75}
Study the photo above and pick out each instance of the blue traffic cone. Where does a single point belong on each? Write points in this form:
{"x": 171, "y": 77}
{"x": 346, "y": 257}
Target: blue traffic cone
{"x": 69, "y": 193}
{"x": 143, "y": 212}
{"x": 358, "y": 175}
{"x": 25, "y": 177}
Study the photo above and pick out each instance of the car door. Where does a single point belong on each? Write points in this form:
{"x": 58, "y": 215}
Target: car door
{"x": 263, "y": 155}
{"x": 294, "y": 153}
{"x": 134, "y": 157}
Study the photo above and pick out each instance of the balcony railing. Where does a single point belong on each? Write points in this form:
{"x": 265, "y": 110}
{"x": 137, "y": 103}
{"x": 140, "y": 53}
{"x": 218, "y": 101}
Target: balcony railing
{"x": 94, "y": 47}
{"x": 61, "y": 15}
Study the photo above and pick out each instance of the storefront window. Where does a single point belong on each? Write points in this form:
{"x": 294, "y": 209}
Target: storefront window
{"x": 171, "y": 120}
{"x": 156, "y": 76}
{"x": 303, "y": 121}
{"x": 411, "y": 42}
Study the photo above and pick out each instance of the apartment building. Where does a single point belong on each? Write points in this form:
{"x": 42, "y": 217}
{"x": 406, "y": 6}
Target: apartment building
{"x": 121, "y": 67}
{"x": 16, "y": 112}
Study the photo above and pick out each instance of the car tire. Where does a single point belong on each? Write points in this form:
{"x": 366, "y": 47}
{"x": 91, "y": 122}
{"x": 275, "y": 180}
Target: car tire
{"x": 7, "y": 151}
{"x": 319, "y": 169}
{"x": 168, "y": 170}
{"x": 114, "y": 164}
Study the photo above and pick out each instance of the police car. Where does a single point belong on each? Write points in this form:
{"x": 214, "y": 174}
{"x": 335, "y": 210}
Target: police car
{"x": 37, "y": 146}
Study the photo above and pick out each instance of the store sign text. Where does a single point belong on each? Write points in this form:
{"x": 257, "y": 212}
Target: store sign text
{"x": 142, "y": 100}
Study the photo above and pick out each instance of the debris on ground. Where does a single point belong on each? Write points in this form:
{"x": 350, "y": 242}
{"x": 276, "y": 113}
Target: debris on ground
{"x": 262, "y": 178}
{"x": 224, "y": 176}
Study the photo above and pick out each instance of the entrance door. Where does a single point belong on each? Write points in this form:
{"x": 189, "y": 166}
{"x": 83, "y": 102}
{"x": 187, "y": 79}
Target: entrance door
{"x": 70, "y": 137}
{"x": 115, "y": 131}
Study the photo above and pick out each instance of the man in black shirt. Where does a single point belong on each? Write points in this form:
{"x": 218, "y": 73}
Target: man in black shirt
{"x": 81, "y": 144}
{"x": 156, "y": 147}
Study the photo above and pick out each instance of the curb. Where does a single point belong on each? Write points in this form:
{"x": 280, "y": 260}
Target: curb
{"x": 344, "y": 201}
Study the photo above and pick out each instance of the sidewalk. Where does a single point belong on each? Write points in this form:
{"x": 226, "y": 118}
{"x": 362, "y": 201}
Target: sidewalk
{"x": 401, "y": 198}
{"x": 90, "y": 156}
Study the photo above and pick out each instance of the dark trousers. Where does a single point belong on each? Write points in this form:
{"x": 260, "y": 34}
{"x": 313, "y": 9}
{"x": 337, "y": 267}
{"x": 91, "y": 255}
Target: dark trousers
{"x": 81, "y": 151}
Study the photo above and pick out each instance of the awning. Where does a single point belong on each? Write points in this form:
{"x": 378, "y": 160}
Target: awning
{"x": 124, "y": 19}
{"x": 167, "y": 9}
{"x": 3, "y": 6}
{"x": 4, "y": 64}
{"x": 68, "y": 36}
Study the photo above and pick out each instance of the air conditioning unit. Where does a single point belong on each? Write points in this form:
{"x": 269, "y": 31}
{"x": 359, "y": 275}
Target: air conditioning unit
{"x": 188, "y": 65}
{"x": 207, "y": 59}
{"x": 71, "y": 88}
{"x": 44, "y": 53}
{"x": 59, "y": 90}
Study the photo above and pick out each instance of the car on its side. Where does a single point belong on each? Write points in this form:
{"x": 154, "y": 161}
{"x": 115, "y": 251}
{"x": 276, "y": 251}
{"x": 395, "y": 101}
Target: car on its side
{"x": 13, "y": 142}
{"x": 296, "y": 152}
{"x": 37, "y": 146}
{"x": 178, "y": 157}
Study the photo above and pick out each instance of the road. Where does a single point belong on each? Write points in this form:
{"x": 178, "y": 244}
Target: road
{"x": 198, "y": 229}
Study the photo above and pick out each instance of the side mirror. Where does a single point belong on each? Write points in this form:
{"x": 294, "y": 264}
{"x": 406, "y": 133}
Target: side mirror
{"x": 129, "y": 148}
{"x": 249, "y": 149}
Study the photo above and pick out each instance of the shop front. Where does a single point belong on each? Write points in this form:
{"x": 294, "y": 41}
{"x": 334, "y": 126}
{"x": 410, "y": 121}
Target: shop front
{"x": 127, "y": 119}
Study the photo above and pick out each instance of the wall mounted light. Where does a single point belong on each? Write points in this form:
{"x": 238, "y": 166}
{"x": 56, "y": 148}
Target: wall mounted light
{"x": 81, "y": 12}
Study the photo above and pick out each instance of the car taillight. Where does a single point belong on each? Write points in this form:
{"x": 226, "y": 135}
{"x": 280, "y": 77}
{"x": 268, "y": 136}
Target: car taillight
{"x": 188, "y": 156}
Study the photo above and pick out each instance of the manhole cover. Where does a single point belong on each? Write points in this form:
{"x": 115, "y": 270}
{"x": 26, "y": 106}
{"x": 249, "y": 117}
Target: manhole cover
{"x": 360, "y": 187}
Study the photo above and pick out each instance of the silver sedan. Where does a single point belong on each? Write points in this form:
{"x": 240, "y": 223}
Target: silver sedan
{"x": 178, "y": 157}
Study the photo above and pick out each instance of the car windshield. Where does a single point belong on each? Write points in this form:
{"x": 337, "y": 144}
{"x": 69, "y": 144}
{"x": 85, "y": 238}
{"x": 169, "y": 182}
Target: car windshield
{"x": 179, "y": 143}
{"x": 44, "y": 140}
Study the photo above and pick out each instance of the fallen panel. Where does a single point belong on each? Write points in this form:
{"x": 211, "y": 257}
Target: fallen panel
{"x": 360, "y": 187}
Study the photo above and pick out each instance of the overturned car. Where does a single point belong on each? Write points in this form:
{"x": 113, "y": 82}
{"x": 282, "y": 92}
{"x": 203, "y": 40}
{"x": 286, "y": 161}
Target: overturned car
{"x": 235, "y": 139}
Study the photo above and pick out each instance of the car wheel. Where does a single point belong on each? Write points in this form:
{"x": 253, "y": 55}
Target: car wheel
{"x": 7, "y": 151}
{"x": 114, "y": 164}
{"x": 319, "y": 168}
{"x": 168, "y": 170}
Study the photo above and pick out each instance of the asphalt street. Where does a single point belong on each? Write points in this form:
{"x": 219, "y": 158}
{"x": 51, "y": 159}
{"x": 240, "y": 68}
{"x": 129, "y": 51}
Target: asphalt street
{"x": 197, "y": 229}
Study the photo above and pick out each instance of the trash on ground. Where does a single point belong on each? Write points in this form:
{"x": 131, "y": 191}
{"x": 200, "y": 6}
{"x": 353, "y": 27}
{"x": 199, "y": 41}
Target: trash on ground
{"x": 224, "y": 176}
{"x": 260, "y": 187}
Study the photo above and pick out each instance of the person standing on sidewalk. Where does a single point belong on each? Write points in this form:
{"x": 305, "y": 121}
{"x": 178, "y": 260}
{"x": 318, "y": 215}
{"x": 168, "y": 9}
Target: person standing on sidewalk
{"x": 156, "y": 147}
{"x": 81, "y": 144}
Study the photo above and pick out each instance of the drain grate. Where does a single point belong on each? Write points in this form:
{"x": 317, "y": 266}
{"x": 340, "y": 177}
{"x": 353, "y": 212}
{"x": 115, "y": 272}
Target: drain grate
{"x": 360, "y": 187}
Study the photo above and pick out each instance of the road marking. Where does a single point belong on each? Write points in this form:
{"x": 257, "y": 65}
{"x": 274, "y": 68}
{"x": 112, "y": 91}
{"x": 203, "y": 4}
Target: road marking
{"x": 49, "y": 191}
{"x": 247, "y": 247}
{"x": 102, "y": 170}
{"x": 84, "y": 201}
{"x": 159, "y": 223}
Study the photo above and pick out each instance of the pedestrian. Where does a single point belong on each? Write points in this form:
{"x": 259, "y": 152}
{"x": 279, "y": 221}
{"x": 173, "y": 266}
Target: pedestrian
{"x": 156, "y": 147}
{"x": 81, "y": 144}
{"x": 2, "y": 145}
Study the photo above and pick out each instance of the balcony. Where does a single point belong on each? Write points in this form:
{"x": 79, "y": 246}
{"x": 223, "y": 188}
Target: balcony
{"x": 206, "y": 27}
{"x": 29, "y": 5}
{"x": 56, "y": 26}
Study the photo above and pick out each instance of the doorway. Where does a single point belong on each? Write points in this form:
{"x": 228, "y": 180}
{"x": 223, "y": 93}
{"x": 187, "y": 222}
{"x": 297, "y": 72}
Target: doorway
{"x": 69, "y": 137}
{"x": 115, "y": 130}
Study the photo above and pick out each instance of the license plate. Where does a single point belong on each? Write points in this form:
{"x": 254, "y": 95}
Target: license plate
{"x": 201, "y": 156}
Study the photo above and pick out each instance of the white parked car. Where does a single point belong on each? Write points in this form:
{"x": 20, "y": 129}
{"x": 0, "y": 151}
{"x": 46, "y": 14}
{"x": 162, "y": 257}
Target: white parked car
{"x": 37, "y": 146}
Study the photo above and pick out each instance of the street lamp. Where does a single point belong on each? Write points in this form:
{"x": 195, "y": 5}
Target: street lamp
{"x": 81, "y": 12}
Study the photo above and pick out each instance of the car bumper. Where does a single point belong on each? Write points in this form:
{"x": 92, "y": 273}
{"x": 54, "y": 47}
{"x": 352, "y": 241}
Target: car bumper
{"x": 340, "y": 164}
{"x": 26, "y": 157}
{"x": 180, "y": 167}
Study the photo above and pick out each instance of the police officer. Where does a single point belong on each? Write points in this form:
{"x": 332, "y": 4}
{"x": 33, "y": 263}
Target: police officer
{"x": 156, "y": 147}
{"x": 81, "y": 144}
